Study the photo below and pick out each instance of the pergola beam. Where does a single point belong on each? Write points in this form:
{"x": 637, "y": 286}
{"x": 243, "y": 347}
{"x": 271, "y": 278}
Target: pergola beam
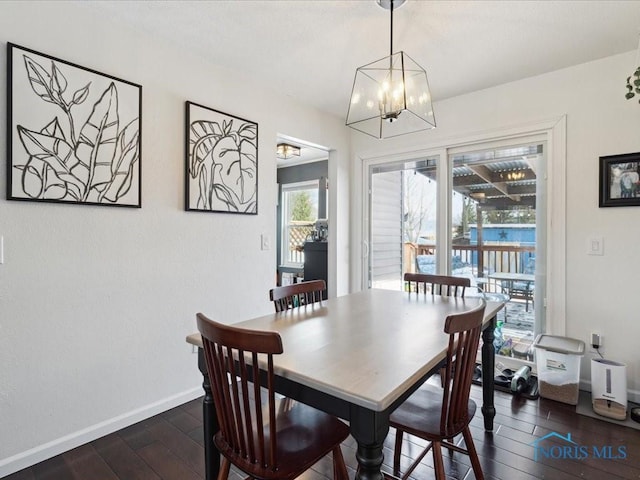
{"x": 487, "y": 175}
{"x": 472, "y": 179}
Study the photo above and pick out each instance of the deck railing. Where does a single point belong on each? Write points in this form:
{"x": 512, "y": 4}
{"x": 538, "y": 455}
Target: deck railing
{"x": 483, "y": 261}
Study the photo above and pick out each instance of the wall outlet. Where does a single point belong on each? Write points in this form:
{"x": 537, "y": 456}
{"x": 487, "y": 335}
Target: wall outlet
{"x": 596, "y": 340}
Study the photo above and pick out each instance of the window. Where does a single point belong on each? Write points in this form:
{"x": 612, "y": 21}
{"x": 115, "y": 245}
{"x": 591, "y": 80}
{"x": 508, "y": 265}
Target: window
{"x": 299, "y": 214}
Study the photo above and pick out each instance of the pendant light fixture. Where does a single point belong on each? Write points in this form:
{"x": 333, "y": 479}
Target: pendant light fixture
{"x": 285, "y": 151}
{"x": 390, "y": 96}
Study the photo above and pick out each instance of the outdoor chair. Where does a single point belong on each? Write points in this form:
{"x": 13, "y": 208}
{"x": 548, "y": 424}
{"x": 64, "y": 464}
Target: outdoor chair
{"x": 298, "y": 294}
{"x": 437, "y": 284}
{"x": 524, "y": 289}
{"x": 427, "y": 264}
{"x": 440, "y": 414}
{"x": 263, "y": 440}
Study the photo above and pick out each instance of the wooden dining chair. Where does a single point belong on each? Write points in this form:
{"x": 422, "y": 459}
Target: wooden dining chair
{"x": 445, "y": 285}
{"x": 440, "y": 414}
{"x": 259, "y": 438}
{"x": 297, "y": 294}
{"x": 437, "y": 284}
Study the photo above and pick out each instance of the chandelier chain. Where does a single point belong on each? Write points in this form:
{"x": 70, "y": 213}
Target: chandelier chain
{"x": 391, "y": 29}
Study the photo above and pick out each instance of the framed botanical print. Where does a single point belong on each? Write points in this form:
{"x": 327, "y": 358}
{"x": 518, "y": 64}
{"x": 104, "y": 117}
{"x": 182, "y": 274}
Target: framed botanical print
{"x": 73, "y": 133}
{"x": 221, "y": 162}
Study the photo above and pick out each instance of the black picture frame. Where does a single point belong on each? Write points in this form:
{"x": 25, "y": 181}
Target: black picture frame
{"x": 74, "y": 134}
{"x": 221, "y": 162}
{"x": 620, "y": 180}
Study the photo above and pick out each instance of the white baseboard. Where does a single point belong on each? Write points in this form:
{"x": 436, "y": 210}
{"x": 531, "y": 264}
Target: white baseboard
{"x": 68, "y": 442}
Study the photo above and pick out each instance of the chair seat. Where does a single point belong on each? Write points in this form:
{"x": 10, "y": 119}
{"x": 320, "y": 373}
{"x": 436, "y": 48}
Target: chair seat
{"x": 304, "y": 436}
{"x": 420, "y": 414}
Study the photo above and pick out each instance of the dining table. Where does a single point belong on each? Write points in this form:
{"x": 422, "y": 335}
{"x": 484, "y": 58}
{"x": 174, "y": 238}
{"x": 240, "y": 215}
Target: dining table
{"x": 358, "y": 357}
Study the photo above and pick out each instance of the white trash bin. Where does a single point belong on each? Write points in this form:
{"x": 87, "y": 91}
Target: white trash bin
{"x": 609, "y": 388}
{"x": 558, "y": 364}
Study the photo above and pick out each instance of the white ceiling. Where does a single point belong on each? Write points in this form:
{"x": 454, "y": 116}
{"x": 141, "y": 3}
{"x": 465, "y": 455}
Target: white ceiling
{"x": 310, "y": 49}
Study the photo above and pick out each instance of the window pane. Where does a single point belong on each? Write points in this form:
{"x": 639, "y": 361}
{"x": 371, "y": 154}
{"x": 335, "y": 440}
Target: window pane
{"x": 403, "y": 220}
{"x": 494, "y": 234}
{"x": 302, "y": 205}
{"x": 299, "y": 214}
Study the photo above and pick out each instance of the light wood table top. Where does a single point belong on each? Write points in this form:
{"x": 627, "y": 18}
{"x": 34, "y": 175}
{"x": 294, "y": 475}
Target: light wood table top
{"x": 366, "y": 348}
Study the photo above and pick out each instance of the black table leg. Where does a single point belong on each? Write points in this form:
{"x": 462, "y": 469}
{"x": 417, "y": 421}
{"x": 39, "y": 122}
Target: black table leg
{"x": 210, "y": 421}
{"x": 488, "y": 368}
{"x": 369, "y": 428}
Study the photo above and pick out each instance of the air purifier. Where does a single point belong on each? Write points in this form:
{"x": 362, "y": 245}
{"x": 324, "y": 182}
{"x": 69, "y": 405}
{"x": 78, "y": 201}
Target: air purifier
{"x": 609, "y": 388}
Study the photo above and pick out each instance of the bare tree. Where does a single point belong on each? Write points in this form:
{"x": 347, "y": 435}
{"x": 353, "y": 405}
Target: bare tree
{"x": 467, "y": 217}
{"x": 417, "y": 205}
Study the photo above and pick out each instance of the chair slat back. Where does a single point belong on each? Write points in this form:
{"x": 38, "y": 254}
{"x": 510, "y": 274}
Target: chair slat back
{"x": 464, "y": 336}
{"x": 297, "y": 295}
{"x": 437, "y": 284}
{"x": 234, "y": 357}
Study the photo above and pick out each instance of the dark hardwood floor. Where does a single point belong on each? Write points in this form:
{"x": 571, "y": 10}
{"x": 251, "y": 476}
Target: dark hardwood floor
{"x": 169, "y": 447}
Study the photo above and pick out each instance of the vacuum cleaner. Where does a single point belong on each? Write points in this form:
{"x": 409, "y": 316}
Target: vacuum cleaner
{"x": 520, "y": 380}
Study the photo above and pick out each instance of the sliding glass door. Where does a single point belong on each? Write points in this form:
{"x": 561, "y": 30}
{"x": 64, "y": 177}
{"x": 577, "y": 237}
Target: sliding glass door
{"x": 485, "y": 205}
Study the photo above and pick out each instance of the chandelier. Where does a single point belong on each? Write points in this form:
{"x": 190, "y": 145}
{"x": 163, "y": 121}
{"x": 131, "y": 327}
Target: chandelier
{"x": 390, "y": 96}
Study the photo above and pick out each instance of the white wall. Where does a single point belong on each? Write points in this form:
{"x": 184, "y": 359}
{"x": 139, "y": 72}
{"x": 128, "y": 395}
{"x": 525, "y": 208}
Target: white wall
{"x": 95, "y": 302}
{"x": 601, "y": 292}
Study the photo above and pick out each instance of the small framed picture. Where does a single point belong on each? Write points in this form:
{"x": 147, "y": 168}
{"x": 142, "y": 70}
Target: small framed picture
{"x": 221, "y": 162}
{"x": 620, "y": 180}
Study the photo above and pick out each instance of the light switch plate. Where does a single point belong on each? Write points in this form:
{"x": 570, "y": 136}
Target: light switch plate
{"x": 265, "y": 241}
{"x": 595, "y": 246}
